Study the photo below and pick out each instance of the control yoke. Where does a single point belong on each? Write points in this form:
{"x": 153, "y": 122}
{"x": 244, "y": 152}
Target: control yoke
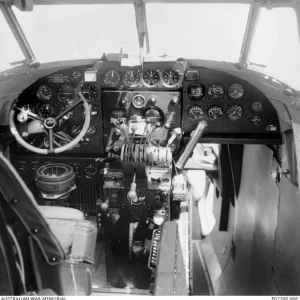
{"x": 195, "y": 136}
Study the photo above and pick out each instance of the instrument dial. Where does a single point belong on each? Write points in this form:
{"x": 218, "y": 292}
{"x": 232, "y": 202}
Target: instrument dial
{"x": 76, "y": 76}
{"x": 91, "y": 130}
{"x": 196, "y": 112}
{"x": 118, "y": 113}
{"x": 196, "y": 91}
{"x": 215, "y": 112}
{"x": 112, "y": 77}
{"x": 139, "y": 101}
{"x": 256, "y": 120}
{"x": 151, "y": 77}
{"x": 90, "y": 171}
{"x": 89, "y": 92}
{"x": 44, "y": 92}
{"x": 234, "y": 112}
{"x": 155, "y": 115}
{"x": 257, "y": 106}
{"x": 215, "y": 91}
{"x": 66, "y": 94}
{"x": 170, "y": 77}
{"x": 235, "y": 91}
{"x": 75, "y": 129}
{"x": 131, "y": 78}
{"x": 46, "y": 110}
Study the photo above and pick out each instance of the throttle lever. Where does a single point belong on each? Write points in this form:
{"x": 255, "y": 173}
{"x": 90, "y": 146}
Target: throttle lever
{"x": 195, "y": 136}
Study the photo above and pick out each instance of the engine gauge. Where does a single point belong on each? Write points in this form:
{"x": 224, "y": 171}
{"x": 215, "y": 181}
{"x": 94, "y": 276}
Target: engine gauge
{"x": 91, "y": 130}
{"x": 170, "y": 77}
{"x": 118, "y": 113}
{"x": 154, "y": 114}
{"x": 234, "y": 112}
{"x": 151, "y": 77}
{"x": 131, "y": 78}
{"x": 46, "y": 110}
{"x": 256, "y": 120}
{"x": 112, "y": 77}
{"x": 215, "y": 91}
{"x": 66, "y": 94}
{"x": 215, "y": 112}
{"x": 76, "y": 75}
{"x": 139, "y": 101}
{"x": 44, "y": 92}
{"x": 89, "y": 92}
{"x": 235, "y": 91}
{"x": 75, "y": 129}
{"x": 257, "y": 106}
{"x": 196, "y": 91}
{"x": 196, "y": 112}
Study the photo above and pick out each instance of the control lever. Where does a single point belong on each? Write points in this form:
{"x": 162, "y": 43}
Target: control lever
{"x": 124, "y": 132}
{"x": 175, "y": 134}
{"x": 132, "y": 195}
{"x": 195, "y": 136}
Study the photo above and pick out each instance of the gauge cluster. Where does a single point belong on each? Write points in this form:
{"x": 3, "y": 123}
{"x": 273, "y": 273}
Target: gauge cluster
{"x": 229, "y": 105}
{"x": 51, "y": 95}
{"x": 151, "y": 78}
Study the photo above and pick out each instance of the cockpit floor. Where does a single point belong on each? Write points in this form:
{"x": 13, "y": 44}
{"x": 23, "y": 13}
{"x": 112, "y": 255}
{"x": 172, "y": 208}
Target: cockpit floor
{"x": 115, "y": 272}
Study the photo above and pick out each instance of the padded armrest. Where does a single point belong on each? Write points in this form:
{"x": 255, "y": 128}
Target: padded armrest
{"x": 57, "y": 212}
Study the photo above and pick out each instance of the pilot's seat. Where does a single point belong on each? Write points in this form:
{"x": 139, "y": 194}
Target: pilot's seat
{"x": 76, "y": 235}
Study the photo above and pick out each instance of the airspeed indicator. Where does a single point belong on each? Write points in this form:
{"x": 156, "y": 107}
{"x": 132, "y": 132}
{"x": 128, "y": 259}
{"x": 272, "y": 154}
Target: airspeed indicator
{"x": 196, "y": 112}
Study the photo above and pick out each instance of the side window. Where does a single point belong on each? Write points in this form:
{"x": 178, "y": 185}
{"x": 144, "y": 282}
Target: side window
{"x": 10, "y": 52}
{"x": 276, "y": 49}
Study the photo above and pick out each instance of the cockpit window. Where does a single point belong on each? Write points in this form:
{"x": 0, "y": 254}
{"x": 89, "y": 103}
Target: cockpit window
{"x": 276, "y": 49}
{"x": 10, "y": 52}
{"x": 57, "y": 32}
{"x": 197, "y": 30}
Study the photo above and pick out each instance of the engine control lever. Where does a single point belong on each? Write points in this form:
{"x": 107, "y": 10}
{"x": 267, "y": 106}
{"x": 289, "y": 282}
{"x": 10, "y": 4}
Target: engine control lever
{"x": 195, "y": 136}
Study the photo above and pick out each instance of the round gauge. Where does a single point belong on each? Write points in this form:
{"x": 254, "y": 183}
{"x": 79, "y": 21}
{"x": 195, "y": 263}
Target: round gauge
{"x": 131, "y": 78}
{"x": 151, "y": 77}
{"x": 139, "y": 101}
{"x": 90, "y": 171}
{"x": 75, "y": 129}
{"x": 234, "y": 112}
{"x": 76, "y": 76}
{"x": 66, "y": 94}
{"x": 195, "y": 91}
{"x": 89, "y": 92}
{"x": 235, "y": 91}
{"x": 112, "y": 77}
{"x": 215, "y": 112}
{"x": 170, "y": 77}
{"x": 46, "y": 110}
{"x": 91, "y": 130}
{"x": 257, "y": 106}
{"x": 215, "y": 91}
{"x": 118, "y": 113}
{"x": 44, "y": 92}
{"x": 154, "y": 114}
{"x": 196, "y": 112}
{"x": 256, "y": 120}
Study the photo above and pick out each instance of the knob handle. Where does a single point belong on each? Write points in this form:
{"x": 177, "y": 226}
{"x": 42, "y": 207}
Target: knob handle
{"x": 191, "y": 145}
{"x": 132, "y": 195}
{"x": 175, "y": 100}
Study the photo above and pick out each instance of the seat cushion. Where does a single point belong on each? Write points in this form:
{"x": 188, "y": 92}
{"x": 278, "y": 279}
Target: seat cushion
{"x": 62, "y": 221}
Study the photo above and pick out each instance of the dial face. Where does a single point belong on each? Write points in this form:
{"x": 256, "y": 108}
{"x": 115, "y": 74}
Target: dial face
{"x": 139, "y": 101}
{"x": 66, "y": 94}
{"x": 75, "y": 129}
{"x": 170, "y": 77}
{"x": 44, "y": 92}
{"x": 235, "y": 91}
{"x": 234, "y": 112}
{"x": 256, "y": 120}
{"x": 215, "y": 112}
{"x": 154, "y": 115}
{"x": 91, "y": 130}
{"x": 46, "y": 110}
{"x": 215, "y": 91}
{"x": 131, "y": 78}
{"x": 195, "y": 91}
{"x": 112, "y": 77}
{"x": 76, "y": 76}
{"x": 89, "y": 92}
{"x": 196, "y": 112}
{"x": 257, "y": 106}
{"x": 151, "y": 77}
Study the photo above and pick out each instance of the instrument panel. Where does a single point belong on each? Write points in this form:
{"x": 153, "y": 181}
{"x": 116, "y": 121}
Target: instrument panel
{"x": 172, "y": 94}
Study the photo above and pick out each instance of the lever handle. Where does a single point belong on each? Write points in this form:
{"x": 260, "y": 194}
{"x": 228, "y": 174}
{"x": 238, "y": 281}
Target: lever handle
{"x": 132, "y": 195}
{"x": 195, "y": 136}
